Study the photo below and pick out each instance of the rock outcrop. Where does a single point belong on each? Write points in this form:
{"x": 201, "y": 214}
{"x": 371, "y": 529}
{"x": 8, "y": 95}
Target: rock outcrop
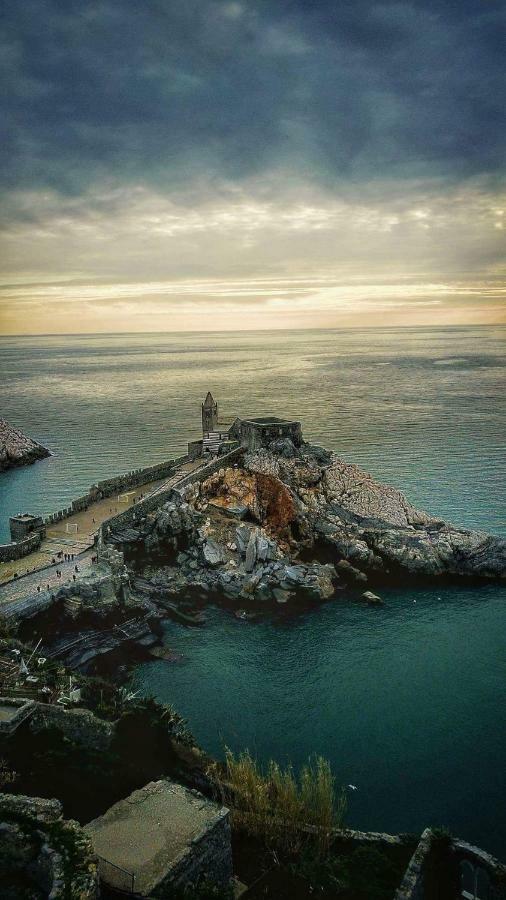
{"x": 299, "y": 522}
{"x": 16, "y": 449}
{"x": 373, "y": 526}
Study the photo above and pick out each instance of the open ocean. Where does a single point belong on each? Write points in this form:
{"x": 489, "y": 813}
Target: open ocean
{"x": 408, "y": 701}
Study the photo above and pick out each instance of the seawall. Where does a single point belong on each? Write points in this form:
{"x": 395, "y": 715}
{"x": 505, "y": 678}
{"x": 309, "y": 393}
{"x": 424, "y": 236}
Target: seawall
{"x": 106, "y": 488}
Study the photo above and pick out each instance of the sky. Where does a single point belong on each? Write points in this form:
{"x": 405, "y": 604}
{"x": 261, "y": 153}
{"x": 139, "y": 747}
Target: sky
{"x": 211, "y": 165}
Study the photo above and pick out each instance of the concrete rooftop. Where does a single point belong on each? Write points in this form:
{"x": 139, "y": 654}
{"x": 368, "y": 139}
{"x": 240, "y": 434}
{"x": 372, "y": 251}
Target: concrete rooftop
{"x": 148, "y": 832}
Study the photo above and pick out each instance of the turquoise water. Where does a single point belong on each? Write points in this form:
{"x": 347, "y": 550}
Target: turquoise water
{"x": 407, "y": 701}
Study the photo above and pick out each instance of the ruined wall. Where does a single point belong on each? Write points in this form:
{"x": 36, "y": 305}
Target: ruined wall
{"x": 37, "y": 842}
{"x": 413, "y": 884}
{"x": 118, "y": 484}
{"x": 134, "y": 514}
{"x": 79, "y": 725}
{"x": 218, "y": 462}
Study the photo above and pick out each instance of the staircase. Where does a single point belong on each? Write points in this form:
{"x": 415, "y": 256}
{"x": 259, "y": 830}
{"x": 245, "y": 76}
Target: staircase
{"x": 211, "y": 442}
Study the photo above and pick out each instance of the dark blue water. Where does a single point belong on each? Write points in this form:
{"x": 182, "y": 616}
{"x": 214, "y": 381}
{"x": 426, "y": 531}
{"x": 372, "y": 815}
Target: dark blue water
{"x": 407, "y": 701}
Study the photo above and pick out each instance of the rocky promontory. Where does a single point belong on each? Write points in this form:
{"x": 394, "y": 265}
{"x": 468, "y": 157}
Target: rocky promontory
{"x": 16, "y": 449}
{"x": 292, "y": 521}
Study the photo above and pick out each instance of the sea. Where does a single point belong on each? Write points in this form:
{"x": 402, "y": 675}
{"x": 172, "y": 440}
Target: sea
{"x": 407, "y": 701}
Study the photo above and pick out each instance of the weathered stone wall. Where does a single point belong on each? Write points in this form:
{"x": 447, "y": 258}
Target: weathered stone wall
{"x": 111, "y": 486}
{"x": 18, "y": 549}
{"x": 22, "y": 526}
{"x": 195, "y": 449}
{"x": 208, "y": 859}
{"x": 37, "y": 841}
{"x": 480, "y": 860}
{"x": 254, "y": 435}
{"x": 134, "y": 514}
{"x": 135, "y": 478}
{"x": 21, "y": 710}
{"x": 413, "y": 884}
{"x": 219, "y": 462}
{"x": 79, "y": 725}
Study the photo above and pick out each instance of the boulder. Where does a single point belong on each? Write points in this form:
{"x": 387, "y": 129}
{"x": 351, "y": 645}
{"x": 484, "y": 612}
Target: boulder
{"x": 213, "y": 553}
{"x": 372, "y": 598}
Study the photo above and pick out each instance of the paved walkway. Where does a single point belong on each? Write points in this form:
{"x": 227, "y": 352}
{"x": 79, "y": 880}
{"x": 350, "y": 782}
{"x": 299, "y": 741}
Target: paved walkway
{"x": 47, "y": 580}
{"x": 88, "y": 522}
{"x": 38, "y": 571}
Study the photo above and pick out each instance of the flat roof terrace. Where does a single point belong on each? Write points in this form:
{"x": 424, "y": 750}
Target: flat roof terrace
{"x": 149, "y": 832}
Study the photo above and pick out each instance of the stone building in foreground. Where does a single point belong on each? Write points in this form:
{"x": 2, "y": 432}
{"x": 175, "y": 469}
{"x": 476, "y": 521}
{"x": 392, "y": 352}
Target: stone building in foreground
{"x": 161, "y": 837}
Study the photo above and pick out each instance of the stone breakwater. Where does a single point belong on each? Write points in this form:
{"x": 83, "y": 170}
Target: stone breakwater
{"x": 258, "y": 530}
{"x": 16, "y": 449}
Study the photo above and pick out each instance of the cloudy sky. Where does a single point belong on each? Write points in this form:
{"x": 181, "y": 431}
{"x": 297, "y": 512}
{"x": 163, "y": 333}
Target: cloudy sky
{"x": 170, "y": 165}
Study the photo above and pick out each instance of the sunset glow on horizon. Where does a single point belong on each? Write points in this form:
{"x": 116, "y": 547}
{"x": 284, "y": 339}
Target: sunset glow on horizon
{"x": 255, "y": 166}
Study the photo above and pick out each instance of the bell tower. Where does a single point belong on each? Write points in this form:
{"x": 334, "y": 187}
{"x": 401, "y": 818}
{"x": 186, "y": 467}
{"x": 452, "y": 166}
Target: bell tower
{"x": 209, "y": 414}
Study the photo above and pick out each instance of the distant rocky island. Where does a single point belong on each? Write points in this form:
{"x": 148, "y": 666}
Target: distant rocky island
{"x": 16, "y": 449}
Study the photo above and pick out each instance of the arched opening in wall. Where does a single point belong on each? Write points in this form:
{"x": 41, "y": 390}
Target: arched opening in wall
{"x": 466, "y": 870}
{"x": 474, "y": 881}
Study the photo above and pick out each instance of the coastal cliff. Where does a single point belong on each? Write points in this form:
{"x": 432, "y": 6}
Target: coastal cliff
{"x": 293, "y": 521}
{"x": 16, "y": 449}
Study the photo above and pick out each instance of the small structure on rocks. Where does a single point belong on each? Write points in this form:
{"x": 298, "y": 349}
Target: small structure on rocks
{"x": 161, "y": 837}
{"x": 24, "y": 524}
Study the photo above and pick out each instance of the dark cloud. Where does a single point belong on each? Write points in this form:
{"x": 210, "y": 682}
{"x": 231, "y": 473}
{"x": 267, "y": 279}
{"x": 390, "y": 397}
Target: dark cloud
{"x": 161, "y": 92}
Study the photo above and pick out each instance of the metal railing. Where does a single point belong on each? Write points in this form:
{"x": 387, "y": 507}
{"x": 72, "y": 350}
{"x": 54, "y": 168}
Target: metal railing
{"x": 116, "y": 876}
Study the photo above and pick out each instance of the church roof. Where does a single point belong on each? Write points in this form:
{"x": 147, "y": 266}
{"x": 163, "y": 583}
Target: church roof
{"x": 209, "y": 401}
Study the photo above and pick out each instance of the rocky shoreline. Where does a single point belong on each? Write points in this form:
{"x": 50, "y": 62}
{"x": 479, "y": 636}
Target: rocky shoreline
{"x": 292, "y": 521}
{"x": 16, "y": 449}
{"x": 282, "y": 525}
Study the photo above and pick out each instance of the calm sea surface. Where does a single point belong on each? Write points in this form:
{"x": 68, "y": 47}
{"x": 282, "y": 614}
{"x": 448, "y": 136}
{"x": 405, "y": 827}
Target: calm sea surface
{"x": 408, "y": 701}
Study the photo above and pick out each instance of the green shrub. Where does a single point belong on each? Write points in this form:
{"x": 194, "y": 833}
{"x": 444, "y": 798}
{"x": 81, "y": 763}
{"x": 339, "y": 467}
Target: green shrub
{"x": 277, "y": 806}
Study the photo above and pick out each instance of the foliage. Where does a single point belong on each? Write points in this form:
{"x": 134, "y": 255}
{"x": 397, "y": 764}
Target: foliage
{"x": 367, "y": 873}
{"x": 441, "y": 839}
{"x": 282, "y": 809}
